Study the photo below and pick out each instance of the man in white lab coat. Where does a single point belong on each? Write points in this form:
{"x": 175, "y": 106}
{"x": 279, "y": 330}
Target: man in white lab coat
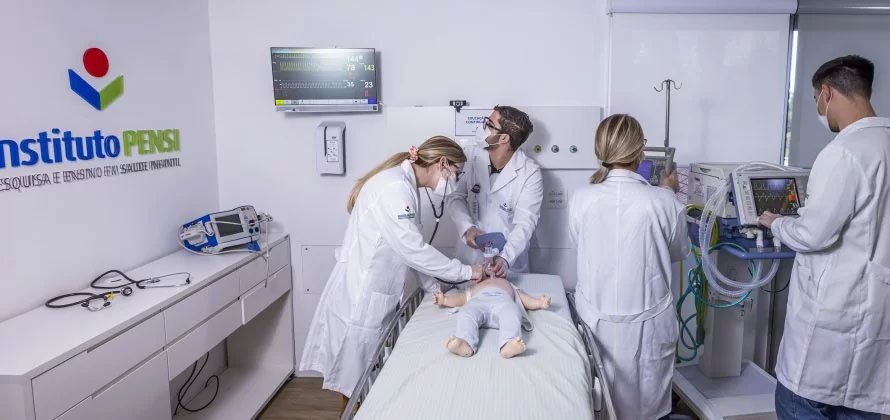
{"x": 834, "y": 361}
{"x": 501, "y": 191}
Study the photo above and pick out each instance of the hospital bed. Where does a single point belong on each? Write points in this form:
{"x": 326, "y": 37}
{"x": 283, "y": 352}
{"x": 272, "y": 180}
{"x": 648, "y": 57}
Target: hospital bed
{"x": 413, "y": 376}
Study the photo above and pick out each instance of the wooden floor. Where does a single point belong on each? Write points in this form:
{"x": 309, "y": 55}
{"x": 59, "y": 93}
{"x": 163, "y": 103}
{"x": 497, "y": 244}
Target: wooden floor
{"x": 303, "y": 399}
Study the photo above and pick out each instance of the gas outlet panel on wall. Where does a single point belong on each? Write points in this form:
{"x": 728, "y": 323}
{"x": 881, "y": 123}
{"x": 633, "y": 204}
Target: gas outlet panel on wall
{"x": 330, "y": 158}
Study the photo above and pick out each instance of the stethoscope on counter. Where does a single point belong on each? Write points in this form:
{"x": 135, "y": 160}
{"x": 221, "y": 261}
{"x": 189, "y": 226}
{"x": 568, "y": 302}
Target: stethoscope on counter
{"x": 117, "y": 285}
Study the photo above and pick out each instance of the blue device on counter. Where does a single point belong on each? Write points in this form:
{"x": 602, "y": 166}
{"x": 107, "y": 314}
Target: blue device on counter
{"x": 215, "y": 232}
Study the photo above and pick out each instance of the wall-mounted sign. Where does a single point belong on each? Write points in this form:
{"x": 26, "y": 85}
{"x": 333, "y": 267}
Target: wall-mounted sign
{"x": 55, "y": 146}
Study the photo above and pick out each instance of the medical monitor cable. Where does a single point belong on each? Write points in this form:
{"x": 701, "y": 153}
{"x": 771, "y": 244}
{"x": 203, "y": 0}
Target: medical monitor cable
{"x": 184, "y": 389}
{"x": 706, "y": 227}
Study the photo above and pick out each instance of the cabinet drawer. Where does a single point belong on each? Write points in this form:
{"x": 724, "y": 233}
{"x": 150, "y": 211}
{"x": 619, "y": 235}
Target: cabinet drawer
{"x": 189, "y": 312}
{"x": 279, "y": 256}
{"x": 252, "y": 273}
{"x": 193, "y": 345}
{"x": 261, "y": 296}
{"x": 140, "y": 395}
{"x": 63, "y": 386}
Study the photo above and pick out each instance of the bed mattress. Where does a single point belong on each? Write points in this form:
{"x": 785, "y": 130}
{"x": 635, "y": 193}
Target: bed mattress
{"x": 422, "y": 380}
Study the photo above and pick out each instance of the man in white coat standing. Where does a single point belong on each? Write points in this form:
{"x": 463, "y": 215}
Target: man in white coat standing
{"x": 501, "y": 191}
{"x": 834, "y": 360}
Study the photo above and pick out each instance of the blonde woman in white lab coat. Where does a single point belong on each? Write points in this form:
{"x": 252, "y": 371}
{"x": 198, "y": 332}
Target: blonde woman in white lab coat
{"x": 628, "y": 233}
{"x": 382, "y": 242}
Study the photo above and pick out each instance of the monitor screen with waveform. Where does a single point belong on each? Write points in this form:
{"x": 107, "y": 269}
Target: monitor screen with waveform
{"x": 336, "y": 79}
{"x": 776, "y": 195}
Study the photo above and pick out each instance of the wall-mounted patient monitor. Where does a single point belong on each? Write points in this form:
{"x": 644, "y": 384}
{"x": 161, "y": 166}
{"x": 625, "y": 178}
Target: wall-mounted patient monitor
{"x": 325, "y": 79}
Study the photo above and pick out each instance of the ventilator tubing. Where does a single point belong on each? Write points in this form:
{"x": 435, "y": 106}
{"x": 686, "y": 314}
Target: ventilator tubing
{"x": 706, "y": 229}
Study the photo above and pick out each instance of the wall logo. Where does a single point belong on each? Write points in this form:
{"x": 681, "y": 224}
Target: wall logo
{"x": 96, "y": 64}
{"x": 96, "y": 150}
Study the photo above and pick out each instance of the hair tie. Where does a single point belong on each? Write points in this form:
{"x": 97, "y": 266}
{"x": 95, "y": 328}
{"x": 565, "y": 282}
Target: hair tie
{"x": 607, "y": 165}
{"x": 412, "y": 154}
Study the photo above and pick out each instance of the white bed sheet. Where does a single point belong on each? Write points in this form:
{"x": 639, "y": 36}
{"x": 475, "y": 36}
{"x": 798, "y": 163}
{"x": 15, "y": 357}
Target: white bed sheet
{"x": 422, "y": 380}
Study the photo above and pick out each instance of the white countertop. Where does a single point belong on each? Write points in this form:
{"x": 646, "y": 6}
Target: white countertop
{"x": 39, "y": 339}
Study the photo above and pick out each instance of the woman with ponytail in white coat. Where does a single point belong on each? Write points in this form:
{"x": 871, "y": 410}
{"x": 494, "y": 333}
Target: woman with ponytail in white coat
{"x": 627, "y": 234}
{"x": 382, "y": 242}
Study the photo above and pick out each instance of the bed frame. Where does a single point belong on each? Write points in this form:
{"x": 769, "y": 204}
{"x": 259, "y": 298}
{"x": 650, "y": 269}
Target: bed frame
{"x": 599, "y": 390}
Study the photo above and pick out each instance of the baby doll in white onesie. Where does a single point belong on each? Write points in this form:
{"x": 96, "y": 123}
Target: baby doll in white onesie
{"x": 491, "y": 303}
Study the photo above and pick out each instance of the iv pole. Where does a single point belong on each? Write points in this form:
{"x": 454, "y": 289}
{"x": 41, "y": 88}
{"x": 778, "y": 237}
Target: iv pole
{"x": 667, "y": 162}
{"x": 666, "y": 88}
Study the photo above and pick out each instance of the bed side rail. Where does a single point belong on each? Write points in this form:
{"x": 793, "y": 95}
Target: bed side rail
{"x": 384, "y": 349}
{"x": 602, "y": 403}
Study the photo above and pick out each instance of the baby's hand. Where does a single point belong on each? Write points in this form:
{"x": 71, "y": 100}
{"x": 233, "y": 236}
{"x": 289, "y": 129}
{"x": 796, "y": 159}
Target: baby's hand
{"x": 439, "y": 298}
{"x": 544, "y": 301}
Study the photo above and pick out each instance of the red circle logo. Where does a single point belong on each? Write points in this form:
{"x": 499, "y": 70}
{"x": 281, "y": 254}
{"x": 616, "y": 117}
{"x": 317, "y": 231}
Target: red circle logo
{"x": 95, "y": 62}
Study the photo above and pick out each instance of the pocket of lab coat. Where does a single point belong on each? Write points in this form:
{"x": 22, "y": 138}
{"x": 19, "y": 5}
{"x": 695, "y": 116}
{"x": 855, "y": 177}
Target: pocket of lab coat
{"x": 662, "y": 341}
{"x": 806, "y": 282}
{"x": 832, "y": 341}
{"x": 657, "y": 361}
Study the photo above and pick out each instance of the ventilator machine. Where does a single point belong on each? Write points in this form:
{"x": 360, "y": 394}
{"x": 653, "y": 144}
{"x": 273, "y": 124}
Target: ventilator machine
{"x": 740, "y": 271}
{"x": 234, "y": 230}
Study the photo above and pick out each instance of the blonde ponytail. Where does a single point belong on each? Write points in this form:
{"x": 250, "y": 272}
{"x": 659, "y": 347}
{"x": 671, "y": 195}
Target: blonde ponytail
{"x": 619, "y": 141}
{"x": 428, "y": 153}
{"x": 600, "y": 175}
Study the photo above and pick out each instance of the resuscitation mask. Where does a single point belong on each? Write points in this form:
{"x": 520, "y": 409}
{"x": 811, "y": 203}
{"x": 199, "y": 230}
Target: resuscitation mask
{"x": 823, "y": 118}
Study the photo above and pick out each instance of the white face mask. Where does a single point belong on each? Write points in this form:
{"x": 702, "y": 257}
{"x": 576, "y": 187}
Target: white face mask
{"x": 482, "y": 134}
{"x": 823, "y": 118}
{"x": 444, "y": 186}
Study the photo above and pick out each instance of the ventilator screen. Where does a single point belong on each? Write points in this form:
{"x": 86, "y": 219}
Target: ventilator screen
{"x": 776, "y": 195}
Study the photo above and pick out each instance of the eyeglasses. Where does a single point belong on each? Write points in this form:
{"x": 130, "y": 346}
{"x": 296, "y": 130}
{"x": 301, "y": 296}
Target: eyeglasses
{"x": 490, "y": 124}
{"x": 457, "y": 173}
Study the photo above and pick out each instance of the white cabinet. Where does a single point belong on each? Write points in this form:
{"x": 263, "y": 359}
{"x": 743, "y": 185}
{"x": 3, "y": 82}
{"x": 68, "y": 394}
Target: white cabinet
{"x": 119, "y": 363}
{"x": 252, "y": 273}
{"x": 260, "y": 297}
{"x": 191, "y": 311}
{"x": 194, "y": 344}
{"x": 63, "y": 386}
{"x": 139, "y": 395}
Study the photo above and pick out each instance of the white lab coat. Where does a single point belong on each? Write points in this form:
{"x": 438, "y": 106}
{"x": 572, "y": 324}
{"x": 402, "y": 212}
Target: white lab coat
{"x": 836, "y": 346}
{"x": 628, "y": 233}
{"x": 510, "y": 205}
{"x": 382, "y": 241}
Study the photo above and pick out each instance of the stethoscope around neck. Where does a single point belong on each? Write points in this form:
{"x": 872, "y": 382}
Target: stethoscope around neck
{"x": 117, "y": 285}
{"x": 438, "y": 215}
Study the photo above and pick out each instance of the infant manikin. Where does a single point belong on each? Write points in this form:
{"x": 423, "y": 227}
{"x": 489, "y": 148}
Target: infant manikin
{"x": 491, "y": 303}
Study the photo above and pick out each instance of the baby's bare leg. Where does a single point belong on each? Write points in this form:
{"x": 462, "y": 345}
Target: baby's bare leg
{"x": 532, "y": 303}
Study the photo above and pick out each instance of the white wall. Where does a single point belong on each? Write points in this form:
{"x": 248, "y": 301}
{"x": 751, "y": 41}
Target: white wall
{"x": 54, "y": 239}
{"x": 733, "y": 75}
{"x": 509, "y": 52}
